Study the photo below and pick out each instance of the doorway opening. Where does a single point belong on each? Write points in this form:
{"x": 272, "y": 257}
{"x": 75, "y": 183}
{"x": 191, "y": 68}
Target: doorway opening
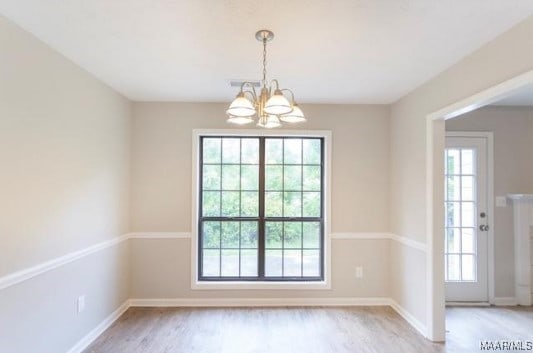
{"x": 437, "y": 200}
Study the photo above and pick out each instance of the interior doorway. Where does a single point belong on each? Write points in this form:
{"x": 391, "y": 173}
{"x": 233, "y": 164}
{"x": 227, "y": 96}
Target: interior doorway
{"x": 435, "y": 147}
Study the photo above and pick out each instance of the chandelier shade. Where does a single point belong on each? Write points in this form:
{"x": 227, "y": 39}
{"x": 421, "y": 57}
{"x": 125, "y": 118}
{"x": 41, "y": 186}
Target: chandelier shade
{"x": 240, "y": 120}
{"x": 270, "y": 107}
{"x": 269, "y": 122}
{"x": 295, "y": 116}
{"x": 241, "y": 107}
{"x": 277, "y": 104}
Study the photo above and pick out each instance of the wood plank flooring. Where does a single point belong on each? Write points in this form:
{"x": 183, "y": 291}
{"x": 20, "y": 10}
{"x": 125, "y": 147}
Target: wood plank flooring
{"x": 302, "y": 330}
{"x": 467, "y": 326}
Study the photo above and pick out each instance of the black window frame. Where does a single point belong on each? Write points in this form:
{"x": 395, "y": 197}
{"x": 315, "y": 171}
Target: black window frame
{"x": 261, "y": 219}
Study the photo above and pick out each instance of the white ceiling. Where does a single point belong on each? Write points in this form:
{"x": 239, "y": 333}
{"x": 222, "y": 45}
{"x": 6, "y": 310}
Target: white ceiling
{"x": 522, "y": 97}
{"x": 327, "y": 51}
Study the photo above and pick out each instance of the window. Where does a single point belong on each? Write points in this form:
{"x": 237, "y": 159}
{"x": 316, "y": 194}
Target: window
{"x": 261, "y": 209}
{"x": 460, "y": 218}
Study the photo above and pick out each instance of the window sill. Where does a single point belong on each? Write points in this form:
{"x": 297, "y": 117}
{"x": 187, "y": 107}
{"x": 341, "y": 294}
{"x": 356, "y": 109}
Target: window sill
{"x": 217, "y": 285}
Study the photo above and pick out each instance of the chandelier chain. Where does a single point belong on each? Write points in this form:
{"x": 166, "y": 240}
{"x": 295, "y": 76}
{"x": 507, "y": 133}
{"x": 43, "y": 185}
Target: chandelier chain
{"x": 264, "y": 60}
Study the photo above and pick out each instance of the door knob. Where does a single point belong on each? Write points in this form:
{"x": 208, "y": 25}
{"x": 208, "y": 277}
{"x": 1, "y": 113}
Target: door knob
{"x": 484, "y": 228}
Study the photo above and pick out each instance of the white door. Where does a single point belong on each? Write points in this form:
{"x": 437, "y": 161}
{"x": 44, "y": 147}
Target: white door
{"x": 466, "y": 219}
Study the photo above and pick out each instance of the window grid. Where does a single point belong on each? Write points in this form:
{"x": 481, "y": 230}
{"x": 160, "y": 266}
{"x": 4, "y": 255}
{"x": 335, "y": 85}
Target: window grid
{"x": 262, "y": 220}
{"x": 459, "y": 203}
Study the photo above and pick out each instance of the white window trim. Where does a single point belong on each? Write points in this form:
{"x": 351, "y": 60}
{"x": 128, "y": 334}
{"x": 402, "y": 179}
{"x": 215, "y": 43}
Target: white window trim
{"x": 204, "y": 285}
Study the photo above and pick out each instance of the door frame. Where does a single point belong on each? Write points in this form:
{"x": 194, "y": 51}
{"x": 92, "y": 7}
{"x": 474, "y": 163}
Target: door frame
{"x": 435, "y": 133}
{"x": 489, "y": 136}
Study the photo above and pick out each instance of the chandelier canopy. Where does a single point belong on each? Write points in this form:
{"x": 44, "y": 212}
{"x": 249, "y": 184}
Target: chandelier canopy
{"x": 270, "y": 107}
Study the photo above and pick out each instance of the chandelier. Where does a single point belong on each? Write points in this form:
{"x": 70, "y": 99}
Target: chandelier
{"x": 270, "y": 107}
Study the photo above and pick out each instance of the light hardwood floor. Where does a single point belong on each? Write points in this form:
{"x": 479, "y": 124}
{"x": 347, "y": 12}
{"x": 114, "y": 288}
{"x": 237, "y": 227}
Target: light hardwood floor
{"x": 465, "y": 327}
{"x": 302, "y": 330}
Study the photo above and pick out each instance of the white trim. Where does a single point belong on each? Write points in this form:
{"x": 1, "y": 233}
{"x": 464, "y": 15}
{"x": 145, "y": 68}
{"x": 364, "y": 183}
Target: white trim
{"x": 435, "y": 289}
{"x": 80, "y": 346}
{"x": 483, "y": 98}
{"x": 258, "y": 302}
{"x": 415, "y": 244}
{"x": 160, "y": 235}
{"x": 411, "y": 320}
{"x": 327, "y": 136}
{"x": 358, "y": 236}
{"x": 450, "y": 304}
{"x": 528, "y": 197}
{"x": 505, "y": 301}
{"x": 23, "y": 275}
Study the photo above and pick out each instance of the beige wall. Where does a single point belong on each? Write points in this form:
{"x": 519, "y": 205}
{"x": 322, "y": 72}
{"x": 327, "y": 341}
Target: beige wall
{"x": 64, "y": 151}
{"x": 162, "y": 158}
{"x": 505, "y": 57}
{"x": 160, "y": 268}
{"x": 513, "y": 173}
{"x": 161, "y": 195}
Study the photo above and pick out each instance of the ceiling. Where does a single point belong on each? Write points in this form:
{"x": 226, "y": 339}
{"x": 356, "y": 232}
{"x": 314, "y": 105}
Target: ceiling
{"x": 327, "y": 51}
{"x": 521, "y": 97}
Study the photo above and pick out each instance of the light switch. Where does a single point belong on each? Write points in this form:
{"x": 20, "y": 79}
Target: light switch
{"x": 501, "y": 201}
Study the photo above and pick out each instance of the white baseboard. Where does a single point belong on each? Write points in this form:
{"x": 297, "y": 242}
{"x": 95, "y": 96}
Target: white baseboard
{"x": 98, "y": 330}
{"x": 505, "y": 301}
{"x": 467, "y": 304}
{"x": 258, "y": 302}
{"x": 413, "y": 321}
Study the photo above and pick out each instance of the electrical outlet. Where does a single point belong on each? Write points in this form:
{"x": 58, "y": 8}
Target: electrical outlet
{"x": 359, "y": 272}
{"x": 81, "y": 303}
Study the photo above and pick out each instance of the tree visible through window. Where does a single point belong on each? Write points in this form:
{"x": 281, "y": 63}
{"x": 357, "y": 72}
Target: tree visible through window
{"x": 261, "y": 208}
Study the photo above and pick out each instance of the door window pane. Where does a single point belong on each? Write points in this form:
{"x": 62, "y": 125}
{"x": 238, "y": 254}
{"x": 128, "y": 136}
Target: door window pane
{"x": 467, "y": 268}
{"x": 467, "y": 161}
{"x": 454, "y": 268}
{"x": 460, "y": 214}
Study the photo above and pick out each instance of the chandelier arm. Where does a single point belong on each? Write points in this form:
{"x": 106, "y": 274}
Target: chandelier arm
{"x": 291, "y": 92}
{"x": 252, "y": 94}
{"x": 252, "y": 91}
{"x": 276, "y": 82}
